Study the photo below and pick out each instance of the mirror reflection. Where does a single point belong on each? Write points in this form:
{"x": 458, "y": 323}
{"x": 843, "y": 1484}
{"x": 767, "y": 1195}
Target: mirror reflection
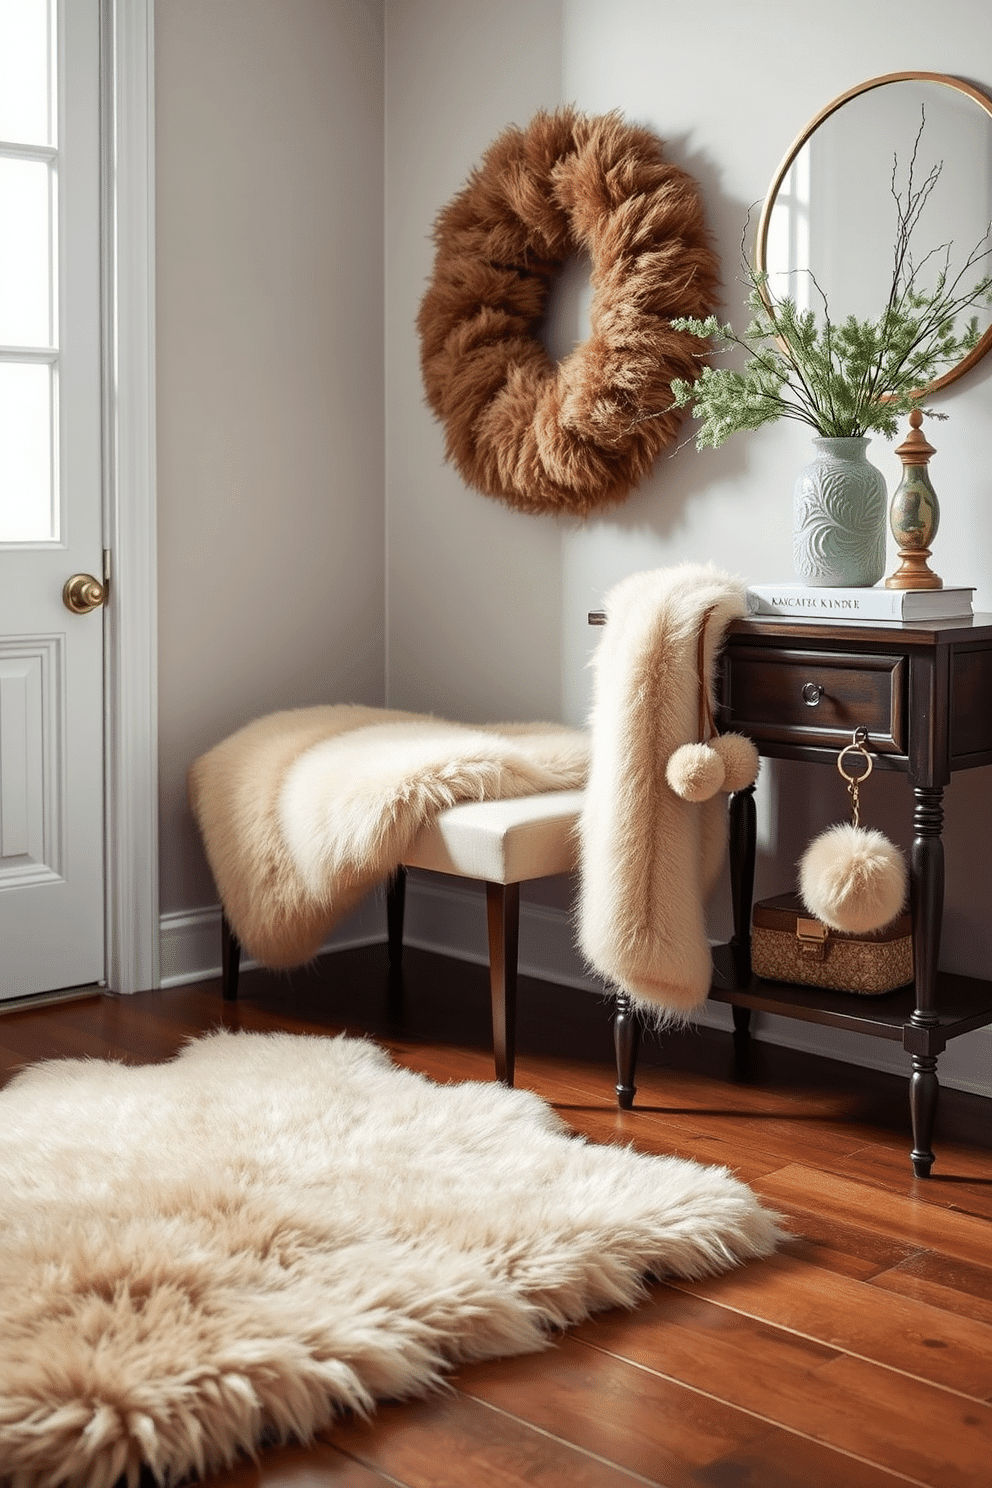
{"x": 831, "y": 214}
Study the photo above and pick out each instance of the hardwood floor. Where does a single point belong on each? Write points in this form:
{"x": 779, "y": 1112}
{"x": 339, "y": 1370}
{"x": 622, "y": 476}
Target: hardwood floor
{"x": 860, "y": 1355}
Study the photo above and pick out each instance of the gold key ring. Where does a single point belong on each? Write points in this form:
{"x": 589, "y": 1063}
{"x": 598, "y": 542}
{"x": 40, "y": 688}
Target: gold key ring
{"x": 858, "y": 745}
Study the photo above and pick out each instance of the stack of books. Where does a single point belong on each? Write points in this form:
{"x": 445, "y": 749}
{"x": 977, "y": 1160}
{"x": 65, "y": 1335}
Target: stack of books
{"x": 806, "y": 603}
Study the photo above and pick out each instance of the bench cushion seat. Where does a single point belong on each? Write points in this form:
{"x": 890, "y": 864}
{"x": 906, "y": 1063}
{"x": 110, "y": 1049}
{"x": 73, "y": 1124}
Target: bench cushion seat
{"x": 502, "y": 841}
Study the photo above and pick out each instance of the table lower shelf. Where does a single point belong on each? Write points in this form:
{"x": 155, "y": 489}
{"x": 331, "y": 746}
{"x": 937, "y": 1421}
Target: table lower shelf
{"x": 963, "y": 1003}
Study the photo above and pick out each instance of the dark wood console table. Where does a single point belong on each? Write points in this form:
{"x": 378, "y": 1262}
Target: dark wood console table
{"x": 799, "y": 689}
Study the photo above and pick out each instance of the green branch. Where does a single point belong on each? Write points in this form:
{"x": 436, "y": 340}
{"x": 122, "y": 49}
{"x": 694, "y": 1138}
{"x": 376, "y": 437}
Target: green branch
{"x": 847, "y": 378}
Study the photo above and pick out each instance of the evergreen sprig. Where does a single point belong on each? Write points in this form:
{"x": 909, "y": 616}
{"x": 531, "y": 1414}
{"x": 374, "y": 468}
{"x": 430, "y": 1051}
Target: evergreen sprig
{"x": 852, "y": 378}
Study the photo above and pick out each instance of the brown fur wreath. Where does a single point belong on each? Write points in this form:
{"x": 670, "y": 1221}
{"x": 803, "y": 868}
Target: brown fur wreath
{"x": 581, "y": 434}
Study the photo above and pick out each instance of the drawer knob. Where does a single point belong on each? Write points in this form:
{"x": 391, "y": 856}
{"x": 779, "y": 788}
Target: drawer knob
{"x": 812, "y": 693}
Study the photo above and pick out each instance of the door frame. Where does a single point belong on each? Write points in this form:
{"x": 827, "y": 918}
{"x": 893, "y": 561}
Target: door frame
{"x": 127, "y": 152}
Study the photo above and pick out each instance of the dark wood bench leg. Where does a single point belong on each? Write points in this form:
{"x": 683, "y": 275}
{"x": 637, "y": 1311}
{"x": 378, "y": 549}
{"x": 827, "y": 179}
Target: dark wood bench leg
{"x": 230, "y": 958}
{"x": 626, "y": 1042}
{"x": 503, "y": 918}
{"x": 395, "y": 906}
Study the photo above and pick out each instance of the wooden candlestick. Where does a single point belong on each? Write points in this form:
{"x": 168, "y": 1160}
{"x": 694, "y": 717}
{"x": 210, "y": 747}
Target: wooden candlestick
{"x": 914, "y": 513}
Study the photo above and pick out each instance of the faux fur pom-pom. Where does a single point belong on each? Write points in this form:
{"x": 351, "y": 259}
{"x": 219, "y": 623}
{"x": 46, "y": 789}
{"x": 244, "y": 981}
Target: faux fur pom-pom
{"x": 853, "y": 879}
{"x": 728, "y": 762}
{"x": 740, "y": 760}
{"x": 695, "y": 772}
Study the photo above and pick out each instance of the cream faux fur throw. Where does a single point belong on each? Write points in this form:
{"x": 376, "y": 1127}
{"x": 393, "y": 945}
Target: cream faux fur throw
{"x": 270, "y": 1229}
{"x": 649, "y": 859}
{"x": 302, "y": 812}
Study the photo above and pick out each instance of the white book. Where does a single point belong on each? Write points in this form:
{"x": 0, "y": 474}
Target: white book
{"x": 807, "y": 602}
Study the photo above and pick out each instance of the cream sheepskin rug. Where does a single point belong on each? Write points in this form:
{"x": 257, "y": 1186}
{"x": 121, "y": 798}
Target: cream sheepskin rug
{"x": 649, "y": 858}
{"x": 270, "y": 1229}
{"x": 303, "y": 812}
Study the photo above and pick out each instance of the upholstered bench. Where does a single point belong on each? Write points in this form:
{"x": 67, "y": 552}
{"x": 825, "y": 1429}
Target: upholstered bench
{"x": 504, "y": 844}
{"x": 500, "y": 843}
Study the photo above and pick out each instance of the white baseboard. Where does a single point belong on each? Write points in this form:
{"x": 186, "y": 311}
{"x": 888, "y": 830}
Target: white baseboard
{"x": 449, "y": 917}
{"x": 190, "y": 941}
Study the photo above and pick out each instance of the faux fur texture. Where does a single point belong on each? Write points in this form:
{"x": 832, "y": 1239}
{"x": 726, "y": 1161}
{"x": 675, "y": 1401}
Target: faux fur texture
{"x": 579, "y": 435}
{"x": 270, "y": 1229}
{"x": 649, "y": 858}
{"x": 302, "y": 812}
{"x": 853, "y": 879}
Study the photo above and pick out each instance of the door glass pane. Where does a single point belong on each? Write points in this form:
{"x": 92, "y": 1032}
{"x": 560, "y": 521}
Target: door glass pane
{"x": 27, "y": 485}
{"x": 25, "y": 253}
{"x": 26, "y": 71}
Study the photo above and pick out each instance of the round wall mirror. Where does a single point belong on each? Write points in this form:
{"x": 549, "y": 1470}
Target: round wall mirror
{"x": 830, "y": 215}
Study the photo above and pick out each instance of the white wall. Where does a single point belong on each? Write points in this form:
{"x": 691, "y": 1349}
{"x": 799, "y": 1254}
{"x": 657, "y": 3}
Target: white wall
{"x": 466, "y": 578}
{"x": 487, "y": 607}
{"x": 270, "y": 404}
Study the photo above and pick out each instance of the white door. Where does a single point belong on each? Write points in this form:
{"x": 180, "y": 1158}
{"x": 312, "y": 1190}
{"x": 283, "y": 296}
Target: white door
{"x": 51, "y": 660}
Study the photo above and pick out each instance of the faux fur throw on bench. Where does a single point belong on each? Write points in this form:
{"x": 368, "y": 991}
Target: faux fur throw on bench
{"x": 302, "y": 812}
{"x": 649, "y": 857}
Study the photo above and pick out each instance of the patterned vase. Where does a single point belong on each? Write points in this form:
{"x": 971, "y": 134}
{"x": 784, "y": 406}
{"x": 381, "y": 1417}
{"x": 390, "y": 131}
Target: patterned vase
{"x": 839, "y": 517}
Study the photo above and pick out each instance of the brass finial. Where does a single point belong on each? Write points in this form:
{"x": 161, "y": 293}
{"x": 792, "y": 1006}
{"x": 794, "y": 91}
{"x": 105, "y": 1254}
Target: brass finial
{"x": 914, "y": 513}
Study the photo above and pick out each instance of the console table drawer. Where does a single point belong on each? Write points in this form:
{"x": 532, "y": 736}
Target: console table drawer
{"x": 816, "y": 698}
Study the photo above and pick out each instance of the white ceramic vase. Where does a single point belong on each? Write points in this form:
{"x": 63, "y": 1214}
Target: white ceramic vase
{"x": 839, "y": 517}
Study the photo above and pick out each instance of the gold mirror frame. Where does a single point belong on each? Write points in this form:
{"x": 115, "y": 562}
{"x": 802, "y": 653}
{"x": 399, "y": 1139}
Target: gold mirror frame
{"x": 975, "y": 355}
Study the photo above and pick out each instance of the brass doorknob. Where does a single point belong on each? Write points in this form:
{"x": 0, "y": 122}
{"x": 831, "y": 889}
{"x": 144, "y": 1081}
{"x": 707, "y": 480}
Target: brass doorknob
{"x": 83, "y": 593}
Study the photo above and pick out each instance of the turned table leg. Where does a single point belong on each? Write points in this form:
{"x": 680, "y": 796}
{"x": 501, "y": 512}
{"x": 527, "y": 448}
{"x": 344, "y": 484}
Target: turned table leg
{"x": 742, "y": 1023}
{"x": 743, "y": 840}
{"x": 626, "y": 1042}
{"x": 922, "y": 1037}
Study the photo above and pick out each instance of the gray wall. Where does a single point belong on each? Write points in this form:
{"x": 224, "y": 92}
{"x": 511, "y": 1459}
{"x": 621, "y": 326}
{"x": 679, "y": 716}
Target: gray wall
{"x": 270, "y": 405}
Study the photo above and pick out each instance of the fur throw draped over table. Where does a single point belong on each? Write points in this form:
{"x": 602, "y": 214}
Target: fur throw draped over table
{"x": 303, "y": 812}
{"x": 580, "y": 434}
{"x": 653, "y": 828}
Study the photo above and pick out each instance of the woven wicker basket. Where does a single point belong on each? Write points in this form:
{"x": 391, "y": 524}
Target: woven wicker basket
{"x": 787, "y": 945}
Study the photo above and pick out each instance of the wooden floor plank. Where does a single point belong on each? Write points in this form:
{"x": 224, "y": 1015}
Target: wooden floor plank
{"x": 956, "y": 1286}
{"x": 452, "y": 1441}
{"x": 791, "y": 1459}
{"x": 319, "y": 1465}
{"x": 613, "y": 1409}
{"x": 654, "y": 1426}
{"x": 836, "y": 1245}
{"x": 902, "y": 1333}
{"x": 928, "y": 1434}
{"x": 587, "y": 1108}
{"x": 914, "y": 1429}
{"x": 769, "y": 1139}
{"x": 959, "y": 1179}
{"x": 908, "y": 1220}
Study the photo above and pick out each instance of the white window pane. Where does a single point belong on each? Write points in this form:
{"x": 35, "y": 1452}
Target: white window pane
{"x": 27, "y": 496}
{"x": 26, "y": 70}
{"x": 25, "y": 253}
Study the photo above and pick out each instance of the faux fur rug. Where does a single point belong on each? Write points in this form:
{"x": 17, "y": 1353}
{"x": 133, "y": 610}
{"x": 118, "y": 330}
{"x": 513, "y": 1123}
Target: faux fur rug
{"x": 270, "y": 1229}
{"x": 650, "y": 859}
{"x": 302, "y": 812}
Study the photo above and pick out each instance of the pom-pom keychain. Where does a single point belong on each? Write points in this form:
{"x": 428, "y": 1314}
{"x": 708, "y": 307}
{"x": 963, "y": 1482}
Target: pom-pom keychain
{"x": 726, "y": 762}
{"x": 851, "y": 877}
